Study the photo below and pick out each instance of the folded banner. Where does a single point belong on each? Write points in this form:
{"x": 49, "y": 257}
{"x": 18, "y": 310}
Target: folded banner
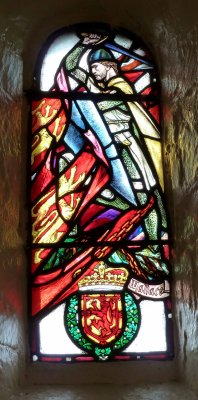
{"x": 158, "y": 291}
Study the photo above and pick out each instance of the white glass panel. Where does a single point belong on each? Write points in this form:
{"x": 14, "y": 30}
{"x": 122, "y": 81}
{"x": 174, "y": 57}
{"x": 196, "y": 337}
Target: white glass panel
{"x": 151, "y": 336}
{"x": 53, "y": 337}
{"x": 123, "y": 41}
{"x": 142, "y": 83}
{"x": 54, "y": 56}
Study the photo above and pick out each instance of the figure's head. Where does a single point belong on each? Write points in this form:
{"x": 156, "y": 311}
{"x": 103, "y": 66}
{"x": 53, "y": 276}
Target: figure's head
{"x": 103, "y": 65}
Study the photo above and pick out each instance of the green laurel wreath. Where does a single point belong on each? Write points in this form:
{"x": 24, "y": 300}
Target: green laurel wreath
{"x": 103, "y": 353}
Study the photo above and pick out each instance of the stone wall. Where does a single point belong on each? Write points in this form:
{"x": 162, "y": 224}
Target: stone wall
{"x": 169, "y": 29}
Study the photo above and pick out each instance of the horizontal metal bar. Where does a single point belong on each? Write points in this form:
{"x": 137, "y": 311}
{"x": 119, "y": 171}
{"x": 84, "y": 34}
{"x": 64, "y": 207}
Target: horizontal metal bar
{"x": 34, "y": 95}
{"x": 144, "y": 243}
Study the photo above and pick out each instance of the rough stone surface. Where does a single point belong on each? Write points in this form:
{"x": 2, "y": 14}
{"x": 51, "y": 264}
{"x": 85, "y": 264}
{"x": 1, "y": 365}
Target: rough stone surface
{"x": 170, "y": 30}
{"x": 108, "y": 392}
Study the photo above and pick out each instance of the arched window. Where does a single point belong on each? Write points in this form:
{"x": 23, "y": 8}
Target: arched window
{"x": 100, "y": 237}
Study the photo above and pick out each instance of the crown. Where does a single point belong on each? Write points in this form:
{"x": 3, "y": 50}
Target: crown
{"x": 104, "y": 278}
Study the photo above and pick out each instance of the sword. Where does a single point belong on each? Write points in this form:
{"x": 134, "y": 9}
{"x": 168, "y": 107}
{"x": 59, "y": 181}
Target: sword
{"x": 126, "y": 53}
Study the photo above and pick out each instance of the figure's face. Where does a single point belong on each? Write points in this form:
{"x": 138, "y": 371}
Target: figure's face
{"x": 99, "y": 71}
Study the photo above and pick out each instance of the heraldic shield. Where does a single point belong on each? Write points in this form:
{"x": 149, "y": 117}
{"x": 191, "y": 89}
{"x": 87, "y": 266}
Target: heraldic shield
{"x": 101, "y": 316}
{"x": 100, "y": 322}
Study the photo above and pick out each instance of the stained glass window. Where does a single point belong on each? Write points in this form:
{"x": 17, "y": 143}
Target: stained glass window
{"x": 100, "y": 274}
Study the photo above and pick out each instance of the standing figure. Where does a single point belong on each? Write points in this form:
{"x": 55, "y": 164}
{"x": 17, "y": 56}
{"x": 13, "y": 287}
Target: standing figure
{"x": 130, "y": 140}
